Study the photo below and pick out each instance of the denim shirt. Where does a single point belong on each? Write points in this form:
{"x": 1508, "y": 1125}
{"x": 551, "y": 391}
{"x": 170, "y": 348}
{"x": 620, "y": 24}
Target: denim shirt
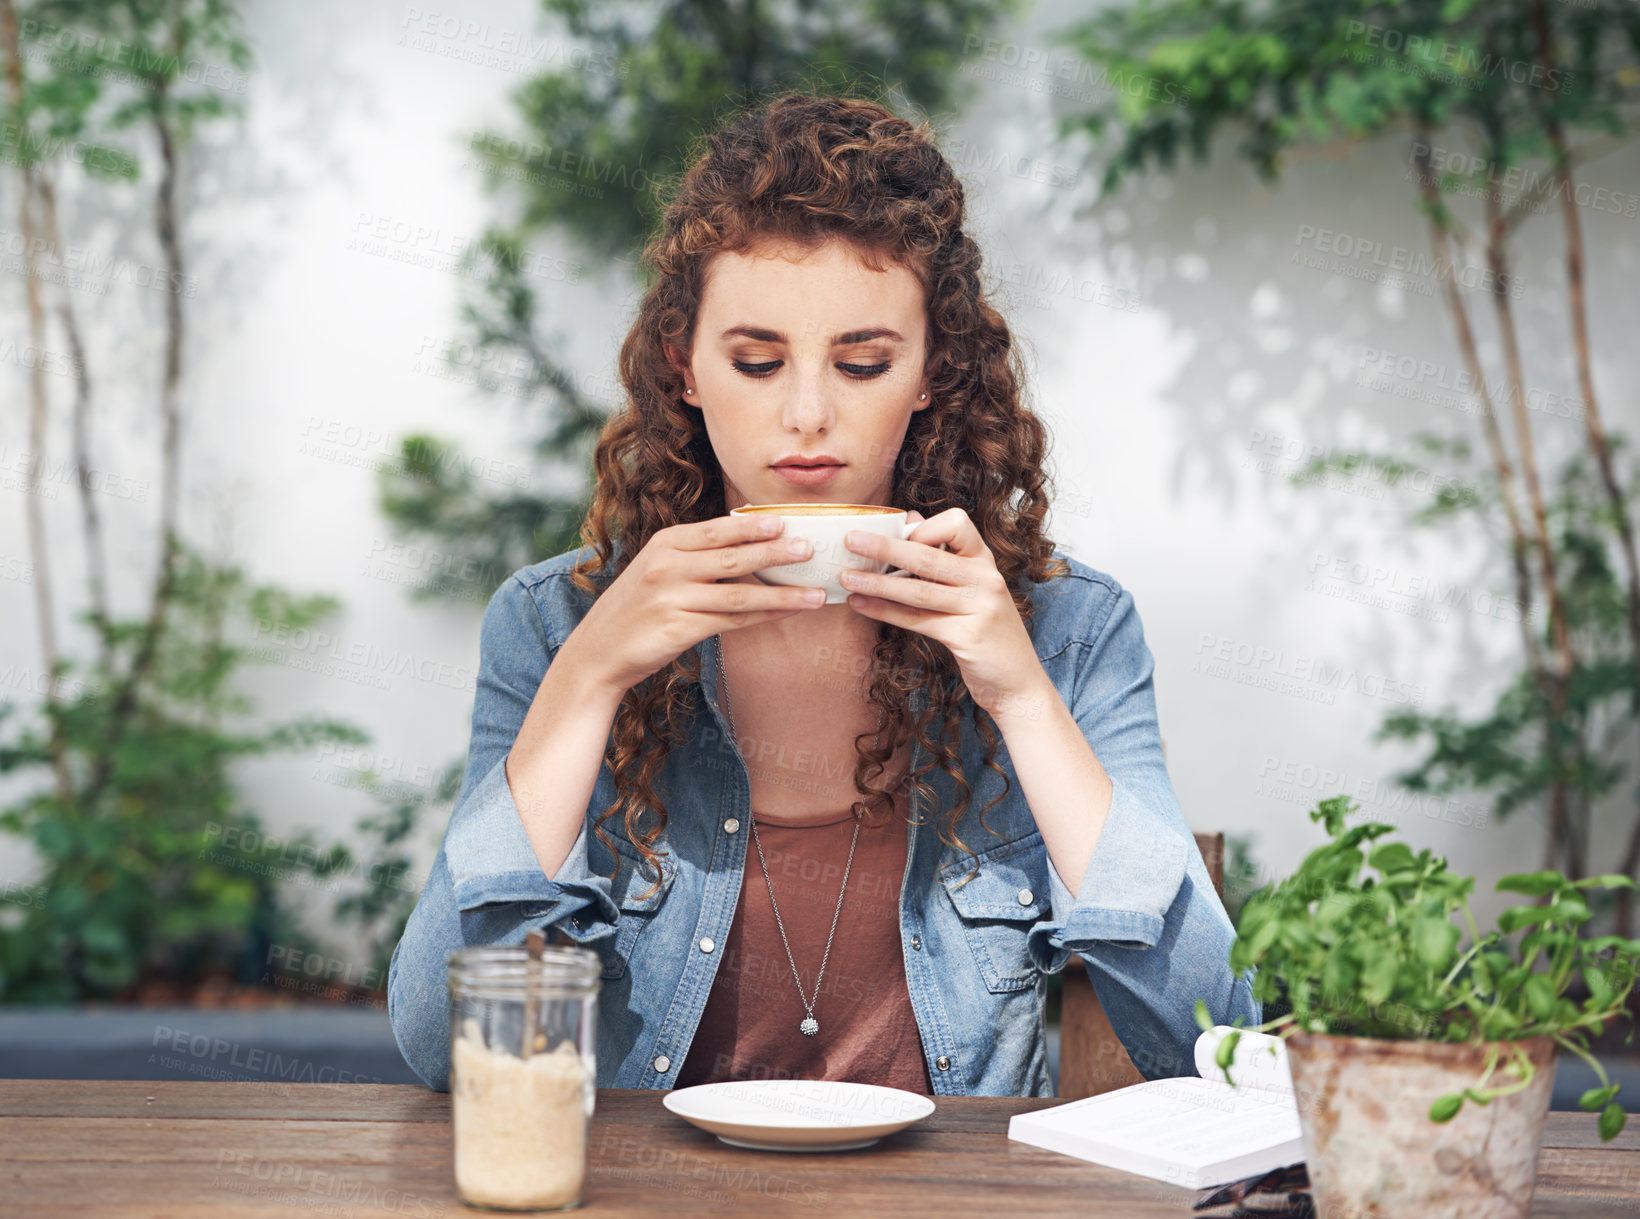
{"x": 977, "y": 949}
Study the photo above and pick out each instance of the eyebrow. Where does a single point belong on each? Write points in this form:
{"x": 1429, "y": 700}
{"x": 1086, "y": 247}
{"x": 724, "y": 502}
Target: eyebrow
{"x": 761, "y": 335}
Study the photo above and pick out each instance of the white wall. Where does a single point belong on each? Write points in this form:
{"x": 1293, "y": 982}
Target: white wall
{"x": 1179, "y": 355}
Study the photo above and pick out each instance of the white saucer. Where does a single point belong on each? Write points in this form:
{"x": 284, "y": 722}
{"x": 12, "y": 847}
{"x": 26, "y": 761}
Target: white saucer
{"x": 798, "y": 1114}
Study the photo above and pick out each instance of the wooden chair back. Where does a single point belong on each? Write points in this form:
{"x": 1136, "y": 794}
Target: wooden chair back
{"x": 1091, "y": 1056}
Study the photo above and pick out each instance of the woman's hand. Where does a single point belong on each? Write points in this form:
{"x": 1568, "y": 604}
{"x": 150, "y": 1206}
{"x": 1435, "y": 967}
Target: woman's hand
{"x": 668, "y": 599}
{"x": 957, "y": 597}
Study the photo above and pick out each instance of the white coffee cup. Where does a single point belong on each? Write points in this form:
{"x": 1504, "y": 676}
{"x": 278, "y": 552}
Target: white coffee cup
{"x": 824, "y": 526}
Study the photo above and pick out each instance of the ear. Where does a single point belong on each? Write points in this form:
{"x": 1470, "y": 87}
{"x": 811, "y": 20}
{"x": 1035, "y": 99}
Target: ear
{"x": 680, "y": 362}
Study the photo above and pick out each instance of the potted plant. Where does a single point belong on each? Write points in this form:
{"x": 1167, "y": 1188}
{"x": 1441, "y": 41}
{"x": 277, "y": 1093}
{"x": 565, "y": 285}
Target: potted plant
{"x": 1394, "y": 1026}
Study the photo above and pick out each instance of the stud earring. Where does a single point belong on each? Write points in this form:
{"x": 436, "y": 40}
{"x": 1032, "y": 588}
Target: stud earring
{"x": 688, "y": 391}
{"x": 922, "y": 397}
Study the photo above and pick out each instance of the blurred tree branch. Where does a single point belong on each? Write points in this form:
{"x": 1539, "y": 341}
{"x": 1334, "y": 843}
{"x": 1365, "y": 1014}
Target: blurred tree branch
{"x": 1507, "y": 83}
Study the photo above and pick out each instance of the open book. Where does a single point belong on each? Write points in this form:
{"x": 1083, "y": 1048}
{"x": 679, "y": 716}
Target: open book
{"x": 1191, "y": 1132}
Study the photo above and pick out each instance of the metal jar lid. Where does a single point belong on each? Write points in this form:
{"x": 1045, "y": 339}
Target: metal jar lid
{"x": 496, "y": 972}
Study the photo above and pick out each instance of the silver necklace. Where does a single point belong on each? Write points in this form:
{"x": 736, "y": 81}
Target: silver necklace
{"x": 810, "y": 1025}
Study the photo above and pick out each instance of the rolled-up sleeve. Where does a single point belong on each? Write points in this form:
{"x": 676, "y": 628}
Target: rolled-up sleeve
{"x": 489, "y": 855}
{"x": 1145, "y": 916}
{"x": 486, "y": 885}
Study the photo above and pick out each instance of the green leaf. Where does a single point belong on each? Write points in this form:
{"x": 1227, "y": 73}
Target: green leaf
{"x": 1204, "y": 1019}
{"x": 1379, "y": 968}
{"x": 1540, "y": 996}
{"x": 1611, "y": 1122}
{"x": 1594, "y": 1098}
{"x": 1532, "y": 884}
{"x": 1612, "y": 880}
{"x": 1391, "y": 857}
{"x": 1433, "y": 939}
{"x": 1516, "y": 917}
{"x": 1446, "y": 1107}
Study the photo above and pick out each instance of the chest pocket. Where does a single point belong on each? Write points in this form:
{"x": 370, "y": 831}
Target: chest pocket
{"x": 999, "y": 905}
{"x": 638, "y": 906}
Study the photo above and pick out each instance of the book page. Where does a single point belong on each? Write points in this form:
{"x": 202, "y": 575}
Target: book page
{"x": 1189, "y": 1120}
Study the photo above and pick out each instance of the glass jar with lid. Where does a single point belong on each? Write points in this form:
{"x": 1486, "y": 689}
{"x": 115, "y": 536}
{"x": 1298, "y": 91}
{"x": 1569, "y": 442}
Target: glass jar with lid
{"x": 523, "y": 1073}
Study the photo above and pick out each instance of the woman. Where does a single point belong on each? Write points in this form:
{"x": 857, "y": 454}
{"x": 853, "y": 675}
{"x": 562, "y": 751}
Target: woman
{"x": 769, "y": 818}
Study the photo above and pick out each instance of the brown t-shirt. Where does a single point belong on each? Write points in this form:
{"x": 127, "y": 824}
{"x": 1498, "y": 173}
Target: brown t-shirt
{"x": 868, "y": 1032}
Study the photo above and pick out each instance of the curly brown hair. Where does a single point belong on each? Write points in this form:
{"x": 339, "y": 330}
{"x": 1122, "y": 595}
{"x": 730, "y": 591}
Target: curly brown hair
{"x": 807, "y": 170}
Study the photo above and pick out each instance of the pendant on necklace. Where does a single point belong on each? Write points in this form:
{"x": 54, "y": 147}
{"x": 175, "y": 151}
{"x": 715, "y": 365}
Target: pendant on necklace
{"x": 810, "y": 1026}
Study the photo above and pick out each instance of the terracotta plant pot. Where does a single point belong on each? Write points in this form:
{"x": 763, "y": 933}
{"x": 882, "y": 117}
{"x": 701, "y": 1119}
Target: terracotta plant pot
{"x": 1373, "y": 1150}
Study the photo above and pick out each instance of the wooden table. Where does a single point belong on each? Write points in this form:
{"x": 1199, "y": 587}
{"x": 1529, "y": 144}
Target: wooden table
{"x": 196, "y": 1148}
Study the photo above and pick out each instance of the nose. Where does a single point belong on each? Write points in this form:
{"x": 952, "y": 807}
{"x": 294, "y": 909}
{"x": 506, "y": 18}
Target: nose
{"x": 807, "y": 409}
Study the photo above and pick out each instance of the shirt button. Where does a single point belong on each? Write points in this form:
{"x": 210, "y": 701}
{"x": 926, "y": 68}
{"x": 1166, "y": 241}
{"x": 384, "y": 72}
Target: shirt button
{"x": 706, "y": 943}
{"x": 662, "y": 1063}
{"x": 916, "y": 942}
{"x": 732, "y": 824}
{"x": 1025, "y": 897}
{"x": 943, "y": 1063}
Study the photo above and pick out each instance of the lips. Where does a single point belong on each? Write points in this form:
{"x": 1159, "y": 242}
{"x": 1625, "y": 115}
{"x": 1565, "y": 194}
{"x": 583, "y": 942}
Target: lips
{"x": 808, "y": 474}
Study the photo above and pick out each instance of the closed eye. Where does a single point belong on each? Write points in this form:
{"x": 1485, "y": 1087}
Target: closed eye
{"x": 865, "y": 372}
{"x": 860, "y": 372}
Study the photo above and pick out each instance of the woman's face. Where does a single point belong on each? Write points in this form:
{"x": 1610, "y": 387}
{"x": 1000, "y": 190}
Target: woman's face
{"x": 807, "y": 354}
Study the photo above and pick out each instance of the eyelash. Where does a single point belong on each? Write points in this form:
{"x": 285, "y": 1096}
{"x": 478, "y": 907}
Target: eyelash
{"x": 859, "y": 372}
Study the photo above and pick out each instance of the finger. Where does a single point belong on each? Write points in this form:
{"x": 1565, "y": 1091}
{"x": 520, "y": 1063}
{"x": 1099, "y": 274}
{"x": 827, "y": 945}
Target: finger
{"x": 726, "y": 531}
{"x": 892, "y": 613}
{"x": 728, "y": 562}
{"x": 741, "y": 597}
{"x": 733, "y": 622}
{"x": 916, "y": 594}
{"x": 953, "y": 529}
{"x": 921, "y": 557}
